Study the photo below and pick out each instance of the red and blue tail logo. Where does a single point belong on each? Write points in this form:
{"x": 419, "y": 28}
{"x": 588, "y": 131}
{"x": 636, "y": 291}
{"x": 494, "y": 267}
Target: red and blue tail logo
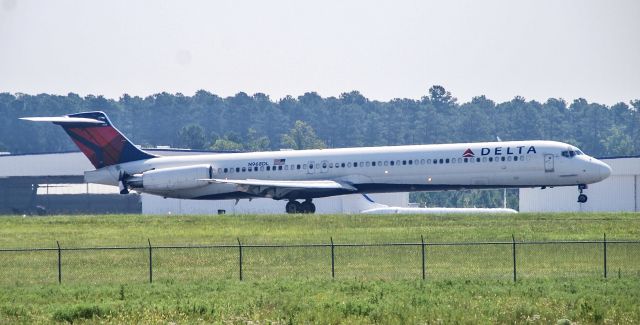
{"x": 103, "y": 144}
{"x": 96, "y": 137}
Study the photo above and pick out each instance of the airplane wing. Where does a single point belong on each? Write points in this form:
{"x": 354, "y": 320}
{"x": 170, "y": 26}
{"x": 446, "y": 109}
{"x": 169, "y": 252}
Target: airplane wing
{"x": 281, "y": 189}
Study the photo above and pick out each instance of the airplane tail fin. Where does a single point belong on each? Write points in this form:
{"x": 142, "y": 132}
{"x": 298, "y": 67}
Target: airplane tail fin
{"x": 96, "y": 137}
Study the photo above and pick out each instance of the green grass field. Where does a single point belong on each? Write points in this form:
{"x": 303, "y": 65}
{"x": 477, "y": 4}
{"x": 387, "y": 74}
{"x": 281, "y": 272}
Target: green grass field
{"x": 379, "y": 284}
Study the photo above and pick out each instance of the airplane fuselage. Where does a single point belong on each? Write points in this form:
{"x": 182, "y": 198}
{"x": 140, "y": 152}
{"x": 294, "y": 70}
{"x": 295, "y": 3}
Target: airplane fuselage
{"x": 459, "y": 166}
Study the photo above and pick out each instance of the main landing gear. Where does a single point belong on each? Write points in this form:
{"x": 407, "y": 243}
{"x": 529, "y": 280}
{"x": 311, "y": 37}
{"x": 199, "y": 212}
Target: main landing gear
{"x": 582, "y": 198}
{"x": 294, "y": 206}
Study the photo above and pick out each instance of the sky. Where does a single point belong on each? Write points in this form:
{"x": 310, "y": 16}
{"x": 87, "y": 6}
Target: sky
{"x": 536, "y": 49}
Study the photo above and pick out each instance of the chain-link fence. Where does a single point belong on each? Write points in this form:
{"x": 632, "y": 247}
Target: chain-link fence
{"x": 413, "y": 260}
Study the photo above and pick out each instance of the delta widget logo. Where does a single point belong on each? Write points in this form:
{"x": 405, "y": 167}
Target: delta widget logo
{"x": 468, "y": 153}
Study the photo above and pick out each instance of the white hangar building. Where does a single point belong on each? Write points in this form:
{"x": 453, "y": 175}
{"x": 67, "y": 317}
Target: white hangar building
{"x": 619, "y": 192}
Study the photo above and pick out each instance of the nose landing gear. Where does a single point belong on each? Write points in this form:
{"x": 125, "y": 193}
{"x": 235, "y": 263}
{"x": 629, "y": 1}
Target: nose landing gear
{"x": 294, "y": 206}
{"x": 582, "y": 198}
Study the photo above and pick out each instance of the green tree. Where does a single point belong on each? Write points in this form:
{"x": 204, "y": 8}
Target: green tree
{"x": 440, "y": 97}
{"x": 192, "y": 136}
{"x": 302, "y": 136}
{"x": 256, "y": 142}
{"x": 224, "y": 144}
{"x": 618, "y": 143}
{"x": 230, "y": 142}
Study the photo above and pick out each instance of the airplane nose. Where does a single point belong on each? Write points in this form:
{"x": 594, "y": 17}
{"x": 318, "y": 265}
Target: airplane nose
{"x": 605, "y": 170}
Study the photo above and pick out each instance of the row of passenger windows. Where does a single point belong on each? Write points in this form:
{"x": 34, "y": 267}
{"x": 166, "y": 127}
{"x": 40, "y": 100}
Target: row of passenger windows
{"x": 325, "y": 165}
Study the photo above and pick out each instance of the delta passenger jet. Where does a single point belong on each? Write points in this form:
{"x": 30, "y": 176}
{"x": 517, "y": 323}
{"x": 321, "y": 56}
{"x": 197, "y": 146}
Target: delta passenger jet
{"x": 302, "y": 175}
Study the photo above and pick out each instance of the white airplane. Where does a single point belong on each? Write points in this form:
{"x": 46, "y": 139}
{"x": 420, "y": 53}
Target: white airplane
{"x": 369, "y": 206}
{"x": 308, "y": 174}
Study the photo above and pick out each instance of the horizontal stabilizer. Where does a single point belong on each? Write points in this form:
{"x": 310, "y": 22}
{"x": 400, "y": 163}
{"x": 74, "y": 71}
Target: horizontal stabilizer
{"x": 63, "y": 120}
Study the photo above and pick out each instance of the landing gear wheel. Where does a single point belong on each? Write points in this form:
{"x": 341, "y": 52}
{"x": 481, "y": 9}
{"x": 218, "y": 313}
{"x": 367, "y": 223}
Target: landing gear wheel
{"x": 308, "y": 207}
{"x": 582, "y": 198}
{"x": 293, "y": 207}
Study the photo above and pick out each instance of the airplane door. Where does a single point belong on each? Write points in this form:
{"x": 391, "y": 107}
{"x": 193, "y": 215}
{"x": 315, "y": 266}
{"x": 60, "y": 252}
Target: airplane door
{"x": 311, "y": 168}
{"x": 548, "y": 163}
{"x": 324, "y": 166}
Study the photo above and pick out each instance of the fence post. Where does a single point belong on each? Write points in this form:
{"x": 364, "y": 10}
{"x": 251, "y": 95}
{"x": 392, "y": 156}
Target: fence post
{"x": 513, "y": 238}
{"x": 59, "y": 263}
{"x": 424, "y": 273}
{"x": 240, "y": 257}
{"x": 605, "y": 255}
{"x": 333, "y": 260}
{"x": 150, "y": 262}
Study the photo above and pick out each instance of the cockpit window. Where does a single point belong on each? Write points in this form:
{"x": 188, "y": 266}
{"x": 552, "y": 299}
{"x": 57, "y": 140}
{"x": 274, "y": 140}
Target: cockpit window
{"x": 571, "y": 153}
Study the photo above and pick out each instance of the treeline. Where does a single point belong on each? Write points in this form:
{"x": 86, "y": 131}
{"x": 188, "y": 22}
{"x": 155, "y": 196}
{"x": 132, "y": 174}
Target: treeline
{"x": 259, "y": 123}
{"x": 244, "y": 122}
